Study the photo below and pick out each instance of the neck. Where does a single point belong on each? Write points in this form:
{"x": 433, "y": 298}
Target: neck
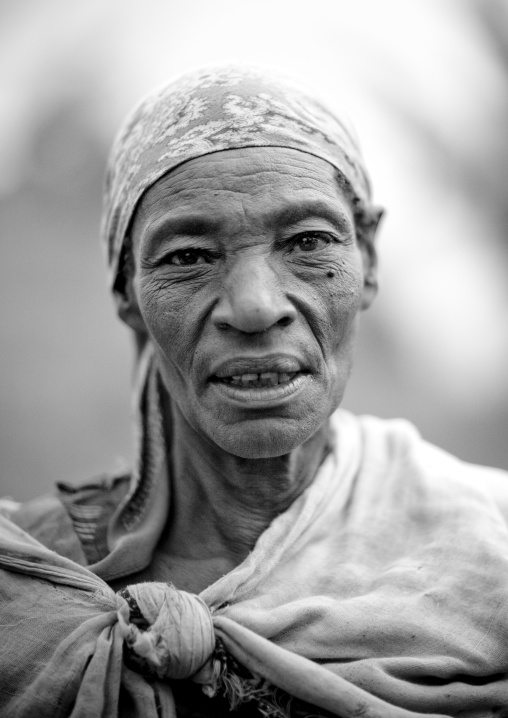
{"x": 221, "y": 503}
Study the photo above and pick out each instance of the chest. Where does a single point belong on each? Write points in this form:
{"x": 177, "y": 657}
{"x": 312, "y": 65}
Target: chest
{"x": 186, "y": 574}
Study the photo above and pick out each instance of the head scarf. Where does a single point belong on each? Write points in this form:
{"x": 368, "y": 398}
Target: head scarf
{"x": 211, "y": 110}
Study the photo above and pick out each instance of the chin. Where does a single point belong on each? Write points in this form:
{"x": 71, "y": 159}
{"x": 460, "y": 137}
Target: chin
{"x": 264, "y": 438}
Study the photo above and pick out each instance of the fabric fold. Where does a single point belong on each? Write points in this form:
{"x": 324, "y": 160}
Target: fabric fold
{"x": 83, "y": 674}
{"x": 61, "y": 648}
{"x": 303, "y": 679}
{"x": 383, "y": 588}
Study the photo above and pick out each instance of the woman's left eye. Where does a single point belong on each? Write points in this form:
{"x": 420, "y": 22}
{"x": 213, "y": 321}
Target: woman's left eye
{"x": 310, "y": 241}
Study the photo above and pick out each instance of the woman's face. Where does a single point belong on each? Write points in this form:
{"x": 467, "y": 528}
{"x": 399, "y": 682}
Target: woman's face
{"x": 249, "y": 279}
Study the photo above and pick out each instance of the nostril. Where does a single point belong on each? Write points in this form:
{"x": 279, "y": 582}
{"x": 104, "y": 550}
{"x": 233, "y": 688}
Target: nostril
{"x": 284, "y": 321}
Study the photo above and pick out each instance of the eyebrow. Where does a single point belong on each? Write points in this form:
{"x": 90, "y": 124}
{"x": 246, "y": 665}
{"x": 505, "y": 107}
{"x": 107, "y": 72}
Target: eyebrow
{"x": 190, "y": 225}
{"x": 299, "y": 211}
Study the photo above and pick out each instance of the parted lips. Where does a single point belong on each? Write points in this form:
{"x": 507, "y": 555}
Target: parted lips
{"x": 257, "y": 372}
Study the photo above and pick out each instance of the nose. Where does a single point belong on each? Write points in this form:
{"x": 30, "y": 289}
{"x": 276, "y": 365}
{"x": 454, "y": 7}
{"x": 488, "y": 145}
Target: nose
{"x": 252, "y": 300}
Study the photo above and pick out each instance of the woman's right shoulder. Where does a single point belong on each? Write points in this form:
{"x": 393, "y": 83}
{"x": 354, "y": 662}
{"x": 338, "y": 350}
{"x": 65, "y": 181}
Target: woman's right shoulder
{"x": 73, "y": 520}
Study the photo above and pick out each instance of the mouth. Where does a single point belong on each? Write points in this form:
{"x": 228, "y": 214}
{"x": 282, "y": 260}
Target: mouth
{"x": 257, "y": 380}
{"x": 260, "y": 379}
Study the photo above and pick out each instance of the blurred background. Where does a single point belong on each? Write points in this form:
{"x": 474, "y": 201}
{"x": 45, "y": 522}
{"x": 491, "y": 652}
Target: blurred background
{"x": 426, "y": 83}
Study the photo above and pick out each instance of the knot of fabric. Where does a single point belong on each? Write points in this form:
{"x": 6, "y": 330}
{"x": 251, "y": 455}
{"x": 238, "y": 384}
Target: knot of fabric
{"x": 170, "y": 632}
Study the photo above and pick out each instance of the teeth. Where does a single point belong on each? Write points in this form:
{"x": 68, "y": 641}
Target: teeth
{"x": 248, "y": 379}
{"x": 268, "y": 378}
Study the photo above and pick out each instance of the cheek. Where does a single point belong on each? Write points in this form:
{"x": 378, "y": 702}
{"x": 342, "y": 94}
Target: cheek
{"x": 343, "y": 286}
{"x": 166, "y": 310}
{"x": 343, "y": 293}
{"x": 336, "y": 280}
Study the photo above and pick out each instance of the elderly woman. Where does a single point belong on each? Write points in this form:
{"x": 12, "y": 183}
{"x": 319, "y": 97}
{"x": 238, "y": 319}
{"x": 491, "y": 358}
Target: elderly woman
{"x": 270, "y": 555}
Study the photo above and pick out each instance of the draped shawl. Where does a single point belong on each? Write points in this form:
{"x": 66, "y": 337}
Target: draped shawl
{"x": 382, "y": 591}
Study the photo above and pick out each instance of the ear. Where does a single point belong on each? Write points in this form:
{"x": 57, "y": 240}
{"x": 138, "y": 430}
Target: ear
{"x": 128, "y": 308}
{"x": 124, "y": 293}
{"x": 367, "y": 230}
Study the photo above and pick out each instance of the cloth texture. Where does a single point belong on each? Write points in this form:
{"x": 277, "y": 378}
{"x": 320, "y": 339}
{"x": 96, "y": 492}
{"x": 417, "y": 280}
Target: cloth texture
{"x": 178, "y": 637}
{"x": 382, "y": 589}
{"x": 214, "y": 109}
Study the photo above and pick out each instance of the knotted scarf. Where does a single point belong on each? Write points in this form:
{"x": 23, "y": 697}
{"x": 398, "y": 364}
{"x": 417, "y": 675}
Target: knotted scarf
{"x": 72, "y": 647}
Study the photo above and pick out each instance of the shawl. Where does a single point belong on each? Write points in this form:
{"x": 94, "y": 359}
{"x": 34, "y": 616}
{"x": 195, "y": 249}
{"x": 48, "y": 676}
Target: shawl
{"x": 382, "y": 591}
{"x": 214, "y": 109}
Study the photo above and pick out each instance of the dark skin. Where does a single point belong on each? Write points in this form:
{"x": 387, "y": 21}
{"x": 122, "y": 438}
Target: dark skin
{"x": 249, "y": 279}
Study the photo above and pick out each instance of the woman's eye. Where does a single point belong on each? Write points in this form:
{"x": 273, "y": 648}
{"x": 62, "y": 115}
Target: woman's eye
{"x": 310, "y": 242}
{"x": 188, "y": 257}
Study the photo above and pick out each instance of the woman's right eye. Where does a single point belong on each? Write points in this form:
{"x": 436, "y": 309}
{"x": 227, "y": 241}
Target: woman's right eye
{"x": 188, "y": 257}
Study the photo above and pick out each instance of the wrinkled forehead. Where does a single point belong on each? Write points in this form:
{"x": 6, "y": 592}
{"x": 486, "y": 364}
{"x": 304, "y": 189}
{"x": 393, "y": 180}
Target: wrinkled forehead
{"x": 210, "y": 111}
{"x": 240, "y": 192}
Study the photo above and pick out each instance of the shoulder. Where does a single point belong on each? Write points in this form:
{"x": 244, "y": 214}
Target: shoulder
{"x": 73, "y": 521}
{"x": 393, "y": 453}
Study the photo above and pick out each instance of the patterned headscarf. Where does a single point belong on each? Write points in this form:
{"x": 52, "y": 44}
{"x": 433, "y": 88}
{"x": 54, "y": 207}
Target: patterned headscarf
{"x": 208, "y": 111}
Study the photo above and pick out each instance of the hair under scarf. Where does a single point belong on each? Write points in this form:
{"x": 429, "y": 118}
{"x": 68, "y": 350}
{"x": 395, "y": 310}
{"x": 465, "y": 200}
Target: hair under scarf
{"x": 212, "y": 110}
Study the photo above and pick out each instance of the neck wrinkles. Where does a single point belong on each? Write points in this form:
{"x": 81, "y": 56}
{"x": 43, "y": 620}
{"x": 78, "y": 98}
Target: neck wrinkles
{"x": 220, "y": 503}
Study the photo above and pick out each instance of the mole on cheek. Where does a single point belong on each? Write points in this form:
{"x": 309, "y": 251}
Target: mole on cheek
{"x": 330, "y": 273}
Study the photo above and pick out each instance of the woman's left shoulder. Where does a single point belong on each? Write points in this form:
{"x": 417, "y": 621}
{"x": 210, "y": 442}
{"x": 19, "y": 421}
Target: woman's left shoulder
{"x": 393, "y": 452}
